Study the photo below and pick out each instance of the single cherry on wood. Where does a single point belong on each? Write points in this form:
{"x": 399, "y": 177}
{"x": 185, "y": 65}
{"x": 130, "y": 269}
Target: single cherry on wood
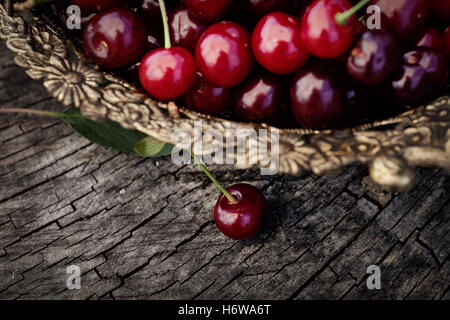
{"x": 277, "y": 43}
{"x": 223, "y": 54}
{"x": 241, "y": 220}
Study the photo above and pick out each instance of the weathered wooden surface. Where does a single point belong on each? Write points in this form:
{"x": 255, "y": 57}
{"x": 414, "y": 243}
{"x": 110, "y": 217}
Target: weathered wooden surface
{"x": 141, "y": 228}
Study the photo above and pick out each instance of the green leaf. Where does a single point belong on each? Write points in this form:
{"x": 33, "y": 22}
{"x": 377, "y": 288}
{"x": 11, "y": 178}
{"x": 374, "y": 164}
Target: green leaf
{"x": 150, "y": 147}
{"x": 107, "y": 134}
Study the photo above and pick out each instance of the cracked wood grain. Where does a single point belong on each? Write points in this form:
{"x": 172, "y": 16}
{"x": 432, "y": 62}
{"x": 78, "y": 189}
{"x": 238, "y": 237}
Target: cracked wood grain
{"x": 143, "y": 228}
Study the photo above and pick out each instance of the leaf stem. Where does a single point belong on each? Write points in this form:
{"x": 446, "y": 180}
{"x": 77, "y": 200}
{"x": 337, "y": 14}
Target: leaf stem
{"x": 167, "y": 42}
{"x": 230, "y": 198}
{"x": 342, "y": 17}
{"x": 33, "y": 111}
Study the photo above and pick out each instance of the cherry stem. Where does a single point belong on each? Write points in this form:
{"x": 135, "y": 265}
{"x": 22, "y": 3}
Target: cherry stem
{"x": 342, "y": 17}
{"x": 167, "y": 42}
{"x": 230, "y": 198}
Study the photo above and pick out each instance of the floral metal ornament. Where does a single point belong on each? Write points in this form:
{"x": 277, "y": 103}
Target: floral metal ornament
{"x": 391, "y": 148}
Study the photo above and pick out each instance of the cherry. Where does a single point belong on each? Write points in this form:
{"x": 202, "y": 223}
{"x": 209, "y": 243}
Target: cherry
{"x": 185, "y": 30}
{"x": 88, "y": 6}
{"x": 260, "y": 98}
{"x": 277, "y": 43}
{"x": 208, "y": 10}
{"x": 423, "y": 74}
{"x": 115, "y": 38}
{"x": 430, "y": 38}
{"x": 374, "y": 57}
{"x": 207, "y": 98}
{"x": 321, "y": 34}
{"x": 167, "y": 74}
{"x": 317, "y": 98}
{"x": 241, "y": 220}
{"x": 403, "y": 18}
{"x": 223, "y": 54}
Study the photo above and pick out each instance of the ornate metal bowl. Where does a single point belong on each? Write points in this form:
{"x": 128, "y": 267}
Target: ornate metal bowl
{"x": 391, "y": 148}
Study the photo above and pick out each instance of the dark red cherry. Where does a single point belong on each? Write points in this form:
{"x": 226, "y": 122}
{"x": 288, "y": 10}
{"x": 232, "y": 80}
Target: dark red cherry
{"x": 223, "y": 54}
{"x": 167, "y": 74}
{"x": 208, "y": 10}
{"x": 424, "y": 73}
{"x": 185, "y": 30}
{"x": 207, "y": 98}
{"x": 277, "y": 43}
{"x": 318, "y": 99}
{"x": 403, "y": 18}
{"x": 321, "y": 35}
{"x": 96, "y": 5}
{"x": 260, "y": 98}
{"x": 430, "y": 38}
{"x": 441, "y": 10}
{"x": 374, "y": 57}
{"x": 243, "y": 220}
{"x": 115, "y": 38}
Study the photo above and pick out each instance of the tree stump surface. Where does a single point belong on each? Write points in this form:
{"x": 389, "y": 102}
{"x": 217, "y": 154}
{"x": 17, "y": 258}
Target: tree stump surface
{"x": 143, "y": 228}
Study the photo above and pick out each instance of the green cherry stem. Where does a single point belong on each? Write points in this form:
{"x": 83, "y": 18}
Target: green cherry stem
{"x": 167, "y": 42}
{"x": 342, "y": 17}
{"x": 230, "y": 198}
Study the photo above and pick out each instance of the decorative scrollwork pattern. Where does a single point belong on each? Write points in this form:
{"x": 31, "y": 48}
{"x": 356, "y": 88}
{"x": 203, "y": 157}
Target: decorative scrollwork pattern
{"x": 419, "y": 137}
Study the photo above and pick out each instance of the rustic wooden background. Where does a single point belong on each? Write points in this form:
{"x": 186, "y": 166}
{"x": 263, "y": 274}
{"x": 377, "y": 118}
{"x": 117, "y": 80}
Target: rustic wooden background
{"x": 143, "y": 228}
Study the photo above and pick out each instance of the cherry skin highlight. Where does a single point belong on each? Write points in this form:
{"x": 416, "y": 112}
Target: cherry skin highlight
{"x": 321, "y": 35}
{"x": 115, "y": 38}
{"x": 223, "y": 54}
{"x": 243, "y": 220}
{"x": 277, "y": 43}
{"x": 167, "y": 74}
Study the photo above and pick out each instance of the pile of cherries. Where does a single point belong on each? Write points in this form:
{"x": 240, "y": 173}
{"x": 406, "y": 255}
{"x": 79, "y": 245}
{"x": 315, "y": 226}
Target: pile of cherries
{"x": 315, "y": 61}
{"x": 275, "y": 60}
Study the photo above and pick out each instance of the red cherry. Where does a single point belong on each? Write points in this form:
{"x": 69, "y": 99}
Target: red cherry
{"x": 207, "y": 98}
{"x": 167, "y": 74}
{"x": 260, "y": 98}
{"x": 318, "y": 100}
{"x": 96, "y": 5}
{"x": 223, "y": 54}
{"x": 243, "y": 220}
{"x": 185, "y": 30}
{"x": 208, "y": 10}
{"x": 277, "y": 43}
{"x": 115, "y": 38}
{"x": 321, "y": 35}
{"x": 404, "y": 19}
